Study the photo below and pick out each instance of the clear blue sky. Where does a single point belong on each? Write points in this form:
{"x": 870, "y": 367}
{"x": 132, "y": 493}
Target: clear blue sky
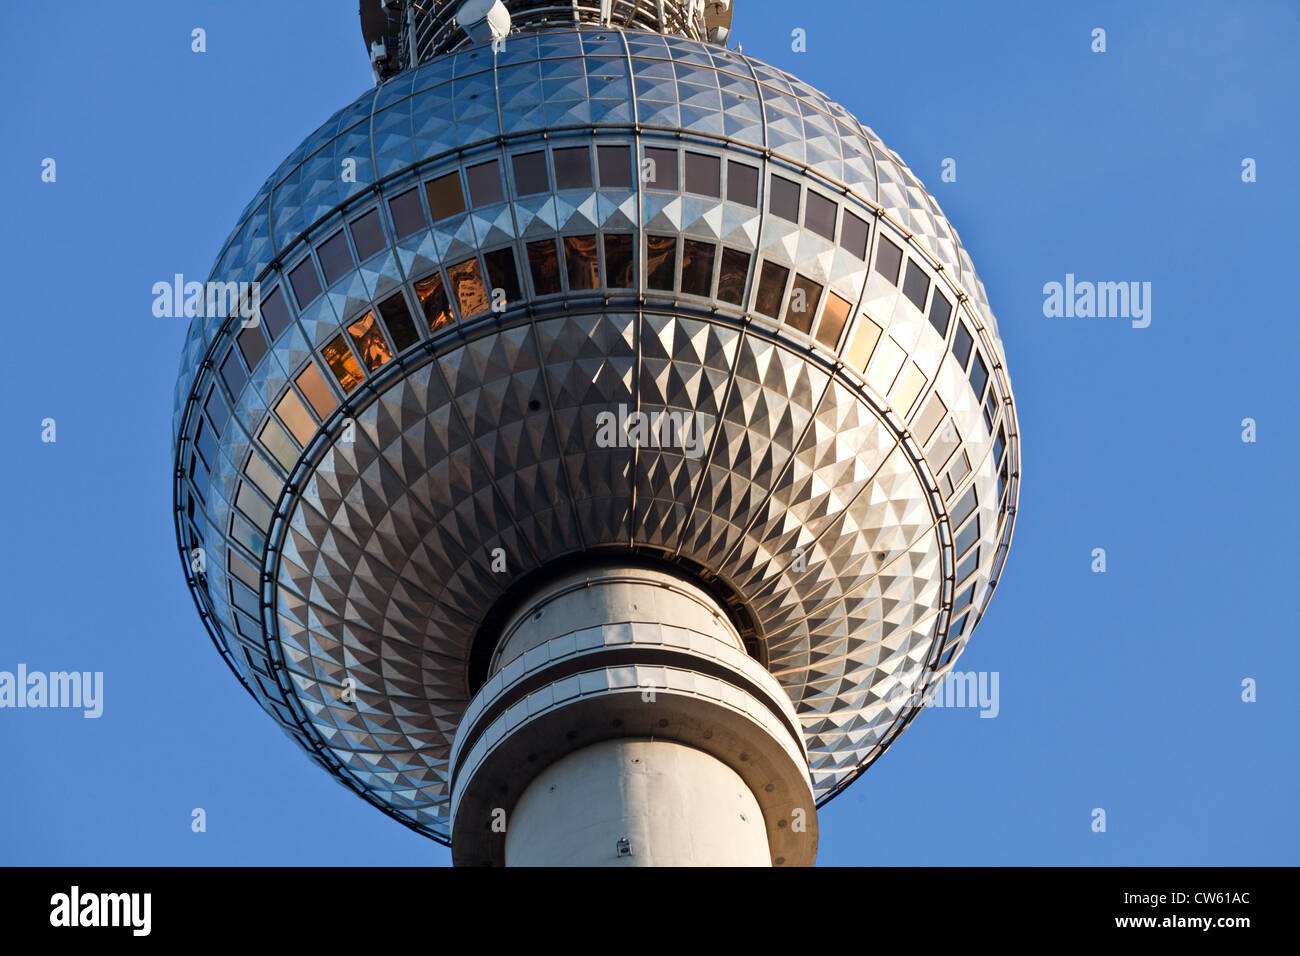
{"x": 1119, "y": 690}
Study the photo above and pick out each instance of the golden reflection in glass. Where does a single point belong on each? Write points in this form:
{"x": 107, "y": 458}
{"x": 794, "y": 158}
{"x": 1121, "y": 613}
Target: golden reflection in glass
{"x": 342, "y": 363}
{"x": 467, "y": 284}
{"x": 312, "y": 384}
{"x": 295, "y": 416}
{"x": 865, "y": 337}
{"x": 908, "y": 387}
{"x": 433, "y": 301}
{"x": 731, "y": 278}
{"x": 276, "y": 440}
{"x": 369, "y": 341}
{"x": 580, "y": 260}
{"x": 833, "y": 319}
{"x": 804, "y": 298}
{"x": 261, "y": 475}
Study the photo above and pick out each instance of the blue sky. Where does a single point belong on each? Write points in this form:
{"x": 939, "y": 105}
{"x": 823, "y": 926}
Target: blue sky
{"x": 1119, "y": 690}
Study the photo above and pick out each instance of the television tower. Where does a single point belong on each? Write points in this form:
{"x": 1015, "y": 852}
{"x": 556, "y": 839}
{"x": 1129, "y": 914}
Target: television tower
{"x": 617, "y": 449}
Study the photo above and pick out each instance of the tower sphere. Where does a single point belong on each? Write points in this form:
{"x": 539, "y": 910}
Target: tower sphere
{"x": 585, "y": 295}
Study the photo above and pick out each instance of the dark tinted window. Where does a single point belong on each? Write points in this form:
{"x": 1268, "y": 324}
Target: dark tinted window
{"x": 620, "y": 259}
{"x": 233, "y": 374}
{"x": 397, "y": 317}
{"x": 979, "y": 375}
{"x": 916, "y": 285}
{"x": 335, "y": 257}
{"x": 888, "y": 258}
{"x": 964, "y": 507}
{"x": 940, "y": 313}
{"x": 703, "y": 174}
{"x": 967, "y": 567}
{"x": 771, "y": 286}
{"x": 968, "y": 536}
{"x": 697, "y": 267}
{"x": 961, "y": 344}
{"x": 731, "y": 280}
{"x": 659, "y": 171}
{"x": 216, "y": 408}
{"x": 206, "y": 443}
{"x": 275, "y": 314}
{"x": 661, "y": 262}
{"x": 445, "y": 196}
{"x": 615, "y": 166}
{"x": 368, "y": 234}
{"x": 306, "y": 286}
{"x": 819, "y": 215}
{"x": 784, "y": 199}
{"x": 530, "y": 173}
{"x": 573, "y": 168}
{"x": 502, "y": 274}
{"x": 804, "y": 298}
{"x": 544, "y": 264}
{"x": 408, "y": 217}
{"x": 253, "y": 344}
{"x": 742, "y": 183}
{"x": 853, "y": 236}
{"x": 580, "y": 262}
{"x": 484, "y": 183}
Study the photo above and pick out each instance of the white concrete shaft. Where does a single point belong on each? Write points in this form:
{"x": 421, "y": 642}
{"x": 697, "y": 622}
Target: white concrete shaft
{"x": 674, "y": 805}
{"x": 618, "y": 595}
{"x": 620, "y": 703}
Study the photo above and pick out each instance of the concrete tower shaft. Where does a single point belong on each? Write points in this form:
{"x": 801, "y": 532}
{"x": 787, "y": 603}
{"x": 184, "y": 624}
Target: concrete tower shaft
{"x": 623, "y": 723}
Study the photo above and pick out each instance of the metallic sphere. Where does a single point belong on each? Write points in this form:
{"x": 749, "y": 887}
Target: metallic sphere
{"x": 583, "y": 292}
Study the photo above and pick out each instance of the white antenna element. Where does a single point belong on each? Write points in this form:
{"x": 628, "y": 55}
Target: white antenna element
{"x": 484, "y": 20}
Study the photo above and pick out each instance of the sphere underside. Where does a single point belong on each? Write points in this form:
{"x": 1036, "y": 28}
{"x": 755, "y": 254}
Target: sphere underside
{"x": 375, "y": 473}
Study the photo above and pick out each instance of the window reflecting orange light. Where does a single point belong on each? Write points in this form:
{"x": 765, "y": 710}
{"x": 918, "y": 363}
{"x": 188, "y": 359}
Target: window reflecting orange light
{"x": 375, "y": 351}
{"x": 834, "y": 316}
{"x": 342, "y": 363}
{"x": 433, "y": 301}
{"x": 467, "y": 282}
